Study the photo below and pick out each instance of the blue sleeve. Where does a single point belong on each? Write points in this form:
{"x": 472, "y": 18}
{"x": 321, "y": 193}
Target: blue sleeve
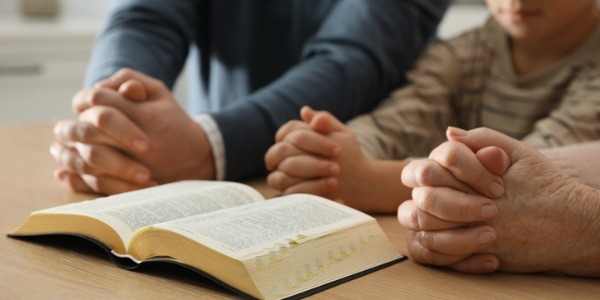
{"x": 154, "y": 31}
{"x": 358, "y": 55}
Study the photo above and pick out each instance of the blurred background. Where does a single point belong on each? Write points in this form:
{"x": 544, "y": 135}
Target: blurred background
{"x": 45, "y": 47}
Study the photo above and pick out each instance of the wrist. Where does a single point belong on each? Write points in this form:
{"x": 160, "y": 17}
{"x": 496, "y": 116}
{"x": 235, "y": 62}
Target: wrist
{"x": 212, "y": 139}
{"x": 206, "y": 168}
{"x": 383, "y": 185}
{"x": 585, "y": 203}
{"x": 200, "y": 159}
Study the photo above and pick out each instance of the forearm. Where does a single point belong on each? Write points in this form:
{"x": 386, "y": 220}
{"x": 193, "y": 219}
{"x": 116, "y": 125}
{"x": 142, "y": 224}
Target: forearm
{"x": 382, "y": 187}
{"x": 413, "y": 119}
{"x": 579, "y": 161}
{"x": 150, "y": 36}
{"x": 357, "y": 56}
{"x": 402, "y": 126}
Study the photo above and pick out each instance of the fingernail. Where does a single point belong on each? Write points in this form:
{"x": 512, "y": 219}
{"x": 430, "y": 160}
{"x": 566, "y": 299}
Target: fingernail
{"x": 331, "y": 183}
{"x": 54, "y": 150}
{"x": 455, "y": 131}
{"x": 140, "y": 177}
{"x": 334, "y": 170}
{"x": 489, "y": 266}
{"x": 61, "y": 176}
{"x": 57, "y": 129}
{"x": 336, "y": 151}
{"x": 496, "y": 188}
{"x": 489, "y": 211}
{"x": 486, "y": 238}
{"x": 140, "y": 145}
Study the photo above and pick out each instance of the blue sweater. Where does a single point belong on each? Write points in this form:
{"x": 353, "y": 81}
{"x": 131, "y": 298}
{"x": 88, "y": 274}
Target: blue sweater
{"x": 260, "y": 61}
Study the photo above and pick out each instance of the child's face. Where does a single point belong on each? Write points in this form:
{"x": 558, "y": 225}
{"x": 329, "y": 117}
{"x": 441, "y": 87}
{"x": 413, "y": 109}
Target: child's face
{"x": 539, "y": 19}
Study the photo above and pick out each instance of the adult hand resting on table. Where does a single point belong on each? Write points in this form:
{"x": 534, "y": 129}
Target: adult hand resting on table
{"x": 545, "y": 220}
{"x": 130, "y": 134}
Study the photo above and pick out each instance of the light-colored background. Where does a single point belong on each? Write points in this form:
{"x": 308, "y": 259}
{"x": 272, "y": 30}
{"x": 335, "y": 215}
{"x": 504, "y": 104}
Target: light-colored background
{"x": 42, "y": 61}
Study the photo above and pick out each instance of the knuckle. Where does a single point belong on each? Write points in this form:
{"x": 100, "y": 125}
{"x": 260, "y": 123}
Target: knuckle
{"x": 409, "y": 173}
{"x": 55, "y": 151}
{"x": 448, "y": 154}
{"x": 289, "y": 164}
{"x": 63, "y": 157}
{"x": 92, "y": 155}
{"x": 69, "y": 160}
{"x": 423, "y": 174}
{"x": 270, "y": 160}
{"x": 282, "y": 131}
{"x": 297, "y": 137}
{"x": 467, "y": 209}
{"x": 95, "y": 96}
{"x": 276, "y": 180}
{"x": 60, "y": 129}
{"x": 78, "y": 99}
{"x": 294, "y": 124}
{"x": 81, "y": 167}
{"x": 426, "y": 239}
{"x": 73, "y": 161}
{"x": 104, "y": 118}
{"x": 451, "y": 156}
{"x": 288, "y": 128}
{"x": 281, "y": 150}
{"x": 427, "y": 256}
{"x": 86, "y": 133}
{"x": 414, "y": 219}
{"x": 425, "y": 198}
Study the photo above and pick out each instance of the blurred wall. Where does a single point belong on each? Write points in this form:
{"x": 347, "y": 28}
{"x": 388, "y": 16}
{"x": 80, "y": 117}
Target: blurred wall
{"x": 43, "y": 60}
{"x": 69, "y": 8}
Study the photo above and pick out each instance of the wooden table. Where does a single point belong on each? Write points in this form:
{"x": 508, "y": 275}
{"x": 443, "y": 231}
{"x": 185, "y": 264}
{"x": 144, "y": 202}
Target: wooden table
{"x": 72, "y": 269}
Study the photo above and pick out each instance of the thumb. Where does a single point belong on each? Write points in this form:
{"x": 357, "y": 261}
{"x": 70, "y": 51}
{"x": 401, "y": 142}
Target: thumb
{"x": 150, "y": 84}
{"x": 133, "y": 90}
{"x": 494, "y": 159}
{"x": 307, "y": 113}
{"x": 324, "y": 122}
{"x": 479, "y": 138}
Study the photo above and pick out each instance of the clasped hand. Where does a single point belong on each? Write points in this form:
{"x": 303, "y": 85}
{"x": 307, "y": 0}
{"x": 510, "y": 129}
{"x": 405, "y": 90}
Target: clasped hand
{"x": 528, "y": 220}
{"x": 130, "y": 134}
{"x": 320, "y": 155}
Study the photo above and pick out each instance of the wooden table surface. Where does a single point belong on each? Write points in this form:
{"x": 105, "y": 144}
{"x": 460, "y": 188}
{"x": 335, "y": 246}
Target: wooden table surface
{"x": 73, "y": 269}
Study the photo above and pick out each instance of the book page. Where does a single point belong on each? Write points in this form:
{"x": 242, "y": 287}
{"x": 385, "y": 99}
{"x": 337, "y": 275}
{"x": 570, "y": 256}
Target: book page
{"x": 132, "y": 210}
{"x": 258, "y": 228}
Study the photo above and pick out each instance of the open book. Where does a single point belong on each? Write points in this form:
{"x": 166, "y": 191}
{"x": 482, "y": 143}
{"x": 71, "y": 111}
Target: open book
{"x": 290, "y": 246}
